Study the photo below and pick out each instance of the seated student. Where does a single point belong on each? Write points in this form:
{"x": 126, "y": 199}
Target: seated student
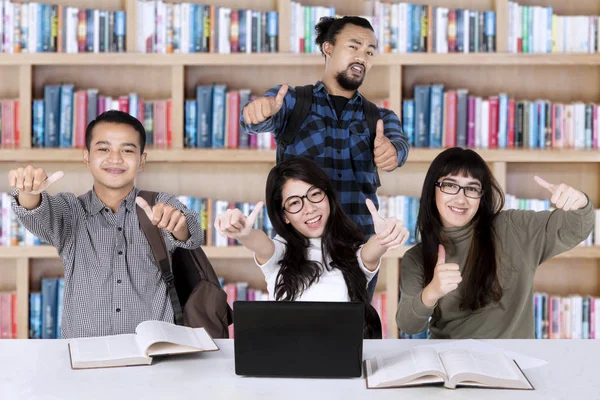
{"x": 111, "y": 280}
{"x": 319, "y": 254}
{"x": 473, "y": 271}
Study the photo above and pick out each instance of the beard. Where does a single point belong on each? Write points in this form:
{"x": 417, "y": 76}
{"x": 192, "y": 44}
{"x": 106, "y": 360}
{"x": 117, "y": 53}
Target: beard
{"x": 348, "y": 82}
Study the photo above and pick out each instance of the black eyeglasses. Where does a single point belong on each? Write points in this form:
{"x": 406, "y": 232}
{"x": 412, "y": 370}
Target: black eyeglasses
{"x": 453, "y": 188}
{"x": 294, "y": 204}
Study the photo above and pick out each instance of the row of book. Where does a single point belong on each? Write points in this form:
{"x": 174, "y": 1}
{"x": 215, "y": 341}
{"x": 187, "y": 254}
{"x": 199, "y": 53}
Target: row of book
{"x": 536, "y": 29}
{"x": 38, "y": 27}
{"x": 405, "y": 208}
{"x": 212, "y": 120}
{"x": 196, "y": 28}
{"x": 10, "y": 132}
{"x": 45, "y": 309}
{"x": 302, "y": 26}
{"x": 61, "y": 117}
{"x": 439, "y": 117}
{"x": 411, "y": 28}
{"x": 8, "y": 315}
{"x": 570, "y": 317}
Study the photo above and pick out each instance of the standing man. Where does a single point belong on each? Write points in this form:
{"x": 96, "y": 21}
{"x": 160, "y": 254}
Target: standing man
{"x": 335, "y": 132}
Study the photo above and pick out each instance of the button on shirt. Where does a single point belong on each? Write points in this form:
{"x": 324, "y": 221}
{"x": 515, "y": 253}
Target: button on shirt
{"x": 340, "y": 144}
{"x": 111, "y": 280}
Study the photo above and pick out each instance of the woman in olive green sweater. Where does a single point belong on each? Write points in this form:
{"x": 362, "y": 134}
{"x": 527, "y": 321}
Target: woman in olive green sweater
{"x": 472, "y": 274}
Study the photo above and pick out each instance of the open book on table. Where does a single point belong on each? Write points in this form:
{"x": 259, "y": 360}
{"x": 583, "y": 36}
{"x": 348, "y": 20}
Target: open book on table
{"x": 151, "y": 338}
{"x": 452, "y": 368}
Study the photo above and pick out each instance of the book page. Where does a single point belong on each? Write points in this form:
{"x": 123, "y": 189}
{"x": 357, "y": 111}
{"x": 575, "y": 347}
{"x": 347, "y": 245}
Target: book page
{"x": 493, "y": 365}
{"x": 95, "y": 350}
{"x": 401, "y": 368}
{"x": 157, "y": 337}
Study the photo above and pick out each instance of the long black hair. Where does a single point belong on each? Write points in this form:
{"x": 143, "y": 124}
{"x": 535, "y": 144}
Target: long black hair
{"x": 340, "y": 241}
{"x": 480, "y": 277}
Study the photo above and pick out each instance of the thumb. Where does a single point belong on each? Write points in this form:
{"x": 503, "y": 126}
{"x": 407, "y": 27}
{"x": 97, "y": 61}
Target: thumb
{"x": 441, "y": 255}
{"x": 254, "y": 214}
{"x": 379, "y": 131}
{"x": 48, "y": 182}
{"x": 546, "y": 185}
{"x": 373, "y": 209}
{"x": 280, "y": 96}
{"x": 144, "y": 206}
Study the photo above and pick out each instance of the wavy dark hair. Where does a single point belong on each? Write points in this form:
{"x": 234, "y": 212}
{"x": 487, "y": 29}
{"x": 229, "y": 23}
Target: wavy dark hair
{"x": 480, "y": 277}
{"x": 328, "y": 28}
{"x": 341, "y": 240}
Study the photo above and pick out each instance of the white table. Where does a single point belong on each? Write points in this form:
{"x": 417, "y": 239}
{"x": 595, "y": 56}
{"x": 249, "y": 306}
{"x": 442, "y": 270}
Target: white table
{"x": 40, "y": 370}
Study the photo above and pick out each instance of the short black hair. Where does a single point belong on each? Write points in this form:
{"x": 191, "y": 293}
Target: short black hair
{"x": 328, "y": 28}
{"x": 116, "y": 117}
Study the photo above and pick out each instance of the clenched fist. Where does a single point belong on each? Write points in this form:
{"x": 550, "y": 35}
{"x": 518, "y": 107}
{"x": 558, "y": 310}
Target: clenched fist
{"x": 31, "y": 180}
{"x": 446, "y": 277}
{"x": 234, "y": 224}
{"x": 166, "y": 217}
{"x": 262, "y": 108}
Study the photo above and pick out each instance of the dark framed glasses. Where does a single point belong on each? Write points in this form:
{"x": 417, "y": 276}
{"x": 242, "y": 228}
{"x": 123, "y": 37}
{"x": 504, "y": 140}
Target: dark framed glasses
{"x": 294, "y": 204}
{"x": 472, "y": 192}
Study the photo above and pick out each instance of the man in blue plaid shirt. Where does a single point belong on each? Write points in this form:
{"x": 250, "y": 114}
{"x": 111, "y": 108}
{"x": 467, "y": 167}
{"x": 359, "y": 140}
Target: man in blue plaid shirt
{"x": 335, "y": 133}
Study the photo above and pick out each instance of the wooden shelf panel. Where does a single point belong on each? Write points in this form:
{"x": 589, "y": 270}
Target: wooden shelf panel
{"x": 416, "y": 155}
{"x": 290, "y": 59}
{"x": 239, "y": 252}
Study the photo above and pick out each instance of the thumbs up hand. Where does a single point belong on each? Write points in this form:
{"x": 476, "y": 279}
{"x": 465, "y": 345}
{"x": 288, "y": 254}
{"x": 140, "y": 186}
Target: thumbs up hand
{"x": 166, "y": 217}
{"x": 563, "y": 196}
{"x": 234, "y": 224}
{"x": 262, "y": 108}
{"x": 391, "y": 232}
{"x": 385, "y": 154}
{"x": 446, "y": 277}
{"x": 31, "y": 180}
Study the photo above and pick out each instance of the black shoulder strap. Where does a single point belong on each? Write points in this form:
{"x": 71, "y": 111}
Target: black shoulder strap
{"x": 297, "y": 116}
{"x": 159, "y": 249}
{"x": 371, "y": 112}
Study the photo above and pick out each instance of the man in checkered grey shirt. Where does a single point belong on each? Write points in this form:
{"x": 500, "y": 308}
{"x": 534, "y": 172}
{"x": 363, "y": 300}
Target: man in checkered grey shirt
{"x": 111, "y": 280}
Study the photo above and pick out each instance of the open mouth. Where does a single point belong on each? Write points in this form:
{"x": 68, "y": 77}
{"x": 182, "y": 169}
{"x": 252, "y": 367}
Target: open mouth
{"x": 357, "y": 69}
{"x": 457, "y": 210}
{"x": 314, "y": 222}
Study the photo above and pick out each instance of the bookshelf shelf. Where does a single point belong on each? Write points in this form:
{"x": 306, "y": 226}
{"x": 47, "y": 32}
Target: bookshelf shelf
{"x": 294, "y": 59}
{"x": 241, "y": 253}
{"x": 416, "y": 155}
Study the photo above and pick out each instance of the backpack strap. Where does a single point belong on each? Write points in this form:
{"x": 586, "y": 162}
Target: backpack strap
{"x": 296, "y": 118}
{"x": 371, "y": 112}
{"x": 159, "y": 249}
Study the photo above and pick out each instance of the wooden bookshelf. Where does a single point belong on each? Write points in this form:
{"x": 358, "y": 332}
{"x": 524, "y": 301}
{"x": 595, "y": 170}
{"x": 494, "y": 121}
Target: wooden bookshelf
{"x": 239, "y": 175}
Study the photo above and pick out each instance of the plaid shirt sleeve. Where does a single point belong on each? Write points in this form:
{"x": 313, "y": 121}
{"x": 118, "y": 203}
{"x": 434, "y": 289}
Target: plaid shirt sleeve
{"x": 51, "y": 221}
{"x": 193, "y": 225}
{"x": 392, "y": 129}
{"x": 277, "y": 123}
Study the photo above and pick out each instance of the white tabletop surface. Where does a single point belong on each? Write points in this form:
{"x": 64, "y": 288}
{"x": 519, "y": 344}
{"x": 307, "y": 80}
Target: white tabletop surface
{"x": 40, "y": 370}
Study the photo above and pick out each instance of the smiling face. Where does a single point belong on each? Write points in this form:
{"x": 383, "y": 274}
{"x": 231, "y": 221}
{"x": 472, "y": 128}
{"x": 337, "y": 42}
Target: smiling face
{"x": 457, "y": 210}
{"x": 114, "y": 156}
{"x": 311, "y": 220}
{"x": 352, "y": 55}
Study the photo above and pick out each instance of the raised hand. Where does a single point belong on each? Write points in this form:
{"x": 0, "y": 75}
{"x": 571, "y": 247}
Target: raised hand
{"x": 384, "y": 153}
{"x": 262, "y": 108}
{"x": 31, "y": 180}
{"x": 234, "y": 224}
{"x": 166, "y": 217}
{"x": 446, "y": 277}
{"x": 563, "y": 197}
{"x": 391, "y": 232}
